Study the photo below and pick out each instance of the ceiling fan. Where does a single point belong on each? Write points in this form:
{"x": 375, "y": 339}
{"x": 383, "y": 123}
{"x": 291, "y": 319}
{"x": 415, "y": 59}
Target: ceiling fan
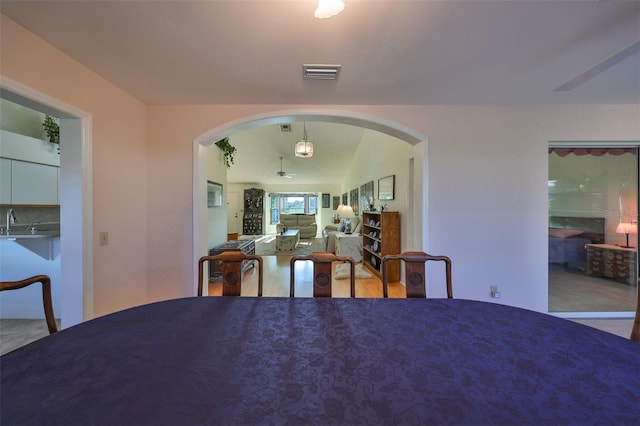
{"x": 284, "y": 174}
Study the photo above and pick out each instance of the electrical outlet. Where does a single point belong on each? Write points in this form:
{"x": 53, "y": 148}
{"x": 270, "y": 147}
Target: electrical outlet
{"x": 495, "y": 293}
{"x": 104, "y": 238}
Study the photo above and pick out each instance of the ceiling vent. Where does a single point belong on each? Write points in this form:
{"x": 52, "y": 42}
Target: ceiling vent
{"x": 321, "y": 72}
{"x": 285, "y": 127}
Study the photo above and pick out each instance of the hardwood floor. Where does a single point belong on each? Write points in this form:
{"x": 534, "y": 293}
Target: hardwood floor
{"x": 276, "y": 282}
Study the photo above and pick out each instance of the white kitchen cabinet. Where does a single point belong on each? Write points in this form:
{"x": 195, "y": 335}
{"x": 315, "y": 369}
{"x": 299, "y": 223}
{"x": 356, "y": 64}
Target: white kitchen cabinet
{"x": 5, "y": 181}
{"x": 33, "y": 183}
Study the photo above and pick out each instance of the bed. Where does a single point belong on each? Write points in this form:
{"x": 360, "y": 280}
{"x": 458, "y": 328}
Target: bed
{"x": 568, "y": 236}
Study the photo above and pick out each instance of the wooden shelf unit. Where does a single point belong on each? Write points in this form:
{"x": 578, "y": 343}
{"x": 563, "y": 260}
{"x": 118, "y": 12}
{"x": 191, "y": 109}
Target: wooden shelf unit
{"x": 381, "y": 236}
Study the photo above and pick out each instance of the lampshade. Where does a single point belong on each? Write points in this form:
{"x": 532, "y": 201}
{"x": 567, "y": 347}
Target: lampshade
{"x": 340, "y": 207}
{"x": 627, "y": 228}
{"x": 328, "y": 8}
{"x": 304, "y": 148}
{"x": 346, "y": 211}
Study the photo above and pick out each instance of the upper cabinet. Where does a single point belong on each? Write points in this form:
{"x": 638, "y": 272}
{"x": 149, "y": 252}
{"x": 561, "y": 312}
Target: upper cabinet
{"x": 29, "y": 170}
{"x": 33, "y": 183}
{"x": 5, "y": 181}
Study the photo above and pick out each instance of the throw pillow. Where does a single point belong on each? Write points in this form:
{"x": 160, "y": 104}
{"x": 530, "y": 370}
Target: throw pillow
{"x": 341, "y": 226}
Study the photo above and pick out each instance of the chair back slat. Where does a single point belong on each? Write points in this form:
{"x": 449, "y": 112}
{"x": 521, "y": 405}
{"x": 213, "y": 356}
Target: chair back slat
{"x": 415, "y": 276}
{"x": 322, "y": 269}
{"x": 233, "y": 263}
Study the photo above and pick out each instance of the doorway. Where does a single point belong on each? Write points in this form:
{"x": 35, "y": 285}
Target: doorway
{"x": 593, "y": 242}
{"x": 76, "y": 243}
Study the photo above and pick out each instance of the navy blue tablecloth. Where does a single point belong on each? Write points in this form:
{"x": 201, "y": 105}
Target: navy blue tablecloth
{"x": 218, "y": 360}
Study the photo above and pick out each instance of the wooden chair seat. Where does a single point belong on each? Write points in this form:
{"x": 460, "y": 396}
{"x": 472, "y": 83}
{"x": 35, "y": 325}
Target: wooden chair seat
{"x": 322, "y": 263}
{"x": 46, "y": 296}
{"x": 232, "y": 264}
{"x": 415, "y": 263}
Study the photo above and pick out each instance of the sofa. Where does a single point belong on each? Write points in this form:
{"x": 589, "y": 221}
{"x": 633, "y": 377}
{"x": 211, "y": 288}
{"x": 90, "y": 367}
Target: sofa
{"x": 330, "y": 232}
{"x": 305, "y": 223}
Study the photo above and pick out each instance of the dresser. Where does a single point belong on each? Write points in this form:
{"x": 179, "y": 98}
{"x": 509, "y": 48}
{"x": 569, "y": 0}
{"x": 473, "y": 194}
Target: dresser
{"x": 610, "y": 261}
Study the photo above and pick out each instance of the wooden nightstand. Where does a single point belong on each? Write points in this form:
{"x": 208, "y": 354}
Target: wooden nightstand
{"x": 607, "y": 260}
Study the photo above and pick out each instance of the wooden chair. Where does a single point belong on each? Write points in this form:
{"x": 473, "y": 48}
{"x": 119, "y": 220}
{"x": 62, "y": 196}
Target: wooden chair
{"x": 46, "y": 296}
{"x": 322, "y": 263}
{"x": 635, "y": 330}
{"x": 415, "y": 262}
{"x": 232, "y": 264}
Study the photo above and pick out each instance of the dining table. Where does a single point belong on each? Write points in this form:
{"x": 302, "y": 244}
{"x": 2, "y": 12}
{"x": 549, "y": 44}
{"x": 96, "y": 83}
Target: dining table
{"x": 323, "y": 361}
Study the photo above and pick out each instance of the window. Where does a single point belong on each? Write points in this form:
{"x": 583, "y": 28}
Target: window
{"x": 282, "y": 203}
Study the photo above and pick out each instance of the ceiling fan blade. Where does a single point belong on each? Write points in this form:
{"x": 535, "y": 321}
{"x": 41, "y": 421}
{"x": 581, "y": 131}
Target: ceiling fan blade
{"x": 601, "y": 67}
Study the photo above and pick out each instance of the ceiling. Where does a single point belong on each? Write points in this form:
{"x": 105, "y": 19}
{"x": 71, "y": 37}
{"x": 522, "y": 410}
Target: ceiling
{"x": 391, "y": 52}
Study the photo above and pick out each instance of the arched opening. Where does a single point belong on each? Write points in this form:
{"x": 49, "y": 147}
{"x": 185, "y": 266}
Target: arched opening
{"x": 419, "y": 177}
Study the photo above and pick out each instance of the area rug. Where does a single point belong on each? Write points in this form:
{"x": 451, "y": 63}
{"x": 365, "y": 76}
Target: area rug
{"x": 343, "y": 271}
{"x": 266, "y": 246}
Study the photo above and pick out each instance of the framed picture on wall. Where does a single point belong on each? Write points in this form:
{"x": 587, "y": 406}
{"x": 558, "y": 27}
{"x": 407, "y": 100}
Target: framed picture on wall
{"x": 366, "y": 195}
{"x": 214, "y": 194}
{"x": 336, "y": 202}
{"x": 325, "y": 201}
{"x": 345, "y": 199}
{"x": 386, "y": 188}
{"x": 353, "y": 199}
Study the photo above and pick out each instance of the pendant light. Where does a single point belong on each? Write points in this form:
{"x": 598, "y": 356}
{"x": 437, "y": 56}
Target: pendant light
{"x": 304, "y": 148}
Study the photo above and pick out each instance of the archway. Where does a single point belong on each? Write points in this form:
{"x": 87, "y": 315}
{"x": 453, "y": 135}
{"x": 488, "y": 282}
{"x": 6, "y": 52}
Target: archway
{"x": 419, "y": 205}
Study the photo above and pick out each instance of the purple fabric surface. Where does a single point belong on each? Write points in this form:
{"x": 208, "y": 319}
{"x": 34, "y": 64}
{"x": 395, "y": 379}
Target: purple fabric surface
{"x": 227, "y": 361}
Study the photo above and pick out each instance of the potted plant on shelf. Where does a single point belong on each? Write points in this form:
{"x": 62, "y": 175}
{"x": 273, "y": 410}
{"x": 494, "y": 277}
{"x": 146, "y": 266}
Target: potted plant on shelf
{"x": 228, "y": 150}
{"x": 52, "y": 129}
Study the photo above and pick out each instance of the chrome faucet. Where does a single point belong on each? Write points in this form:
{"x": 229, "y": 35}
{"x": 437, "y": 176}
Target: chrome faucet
{"x": 11, "y": 219}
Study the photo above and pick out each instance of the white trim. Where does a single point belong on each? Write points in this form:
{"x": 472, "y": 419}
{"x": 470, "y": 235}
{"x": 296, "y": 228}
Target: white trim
{"x": 76, "y": 215}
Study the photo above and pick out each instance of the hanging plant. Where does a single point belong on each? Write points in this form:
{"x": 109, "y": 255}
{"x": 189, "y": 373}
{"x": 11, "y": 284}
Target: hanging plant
{"x": 52, "y": 129}
{"x": 228, "y": 150}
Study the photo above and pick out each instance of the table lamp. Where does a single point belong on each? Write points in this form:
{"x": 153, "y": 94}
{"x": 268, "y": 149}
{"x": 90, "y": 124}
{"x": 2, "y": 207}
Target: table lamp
{"x": 627, "y": 228}
{"x": 347, "y": 213}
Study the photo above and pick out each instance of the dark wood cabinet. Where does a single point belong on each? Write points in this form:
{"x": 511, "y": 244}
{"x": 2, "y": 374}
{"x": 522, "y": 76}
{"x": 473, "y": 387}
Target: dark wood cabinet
{"x": 381, "y": 236}
{"x": 253, "y": 219}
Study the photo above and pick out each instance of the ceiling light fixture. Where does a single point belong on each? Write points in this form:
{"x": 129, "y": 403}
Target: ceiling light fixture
{"x": 304, "y": 148}
{"x": 328, "y": 8}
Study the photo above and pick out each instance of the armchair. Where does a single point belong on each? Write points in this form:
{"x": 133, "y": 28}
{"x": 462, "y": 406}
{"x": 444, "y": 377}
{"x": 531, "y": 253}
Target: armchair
{"x": 330, "y": 232}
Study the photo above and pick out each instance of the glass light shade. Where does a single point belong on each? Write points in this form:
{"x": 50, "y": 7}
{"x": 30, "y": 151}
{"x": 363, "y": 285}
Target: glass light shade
{"x": 347, "y": 211}
{"x": 304, "y": 149}
{"x": 328, "y": 8}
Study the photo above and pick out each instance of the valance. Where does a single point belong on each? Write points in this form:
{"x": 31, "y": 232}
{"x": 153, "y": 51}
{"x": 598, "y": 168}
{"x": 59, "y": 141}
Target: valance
{"x": 598, "y": 152}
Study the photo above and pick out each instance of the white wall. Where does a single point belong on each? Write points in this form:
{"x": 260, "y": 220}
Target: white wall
{"x": 379, "y": 155}
{"x": 119, "y": 161}
{"x": 486, "y": 175}
{"x": 217, "y": 216}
